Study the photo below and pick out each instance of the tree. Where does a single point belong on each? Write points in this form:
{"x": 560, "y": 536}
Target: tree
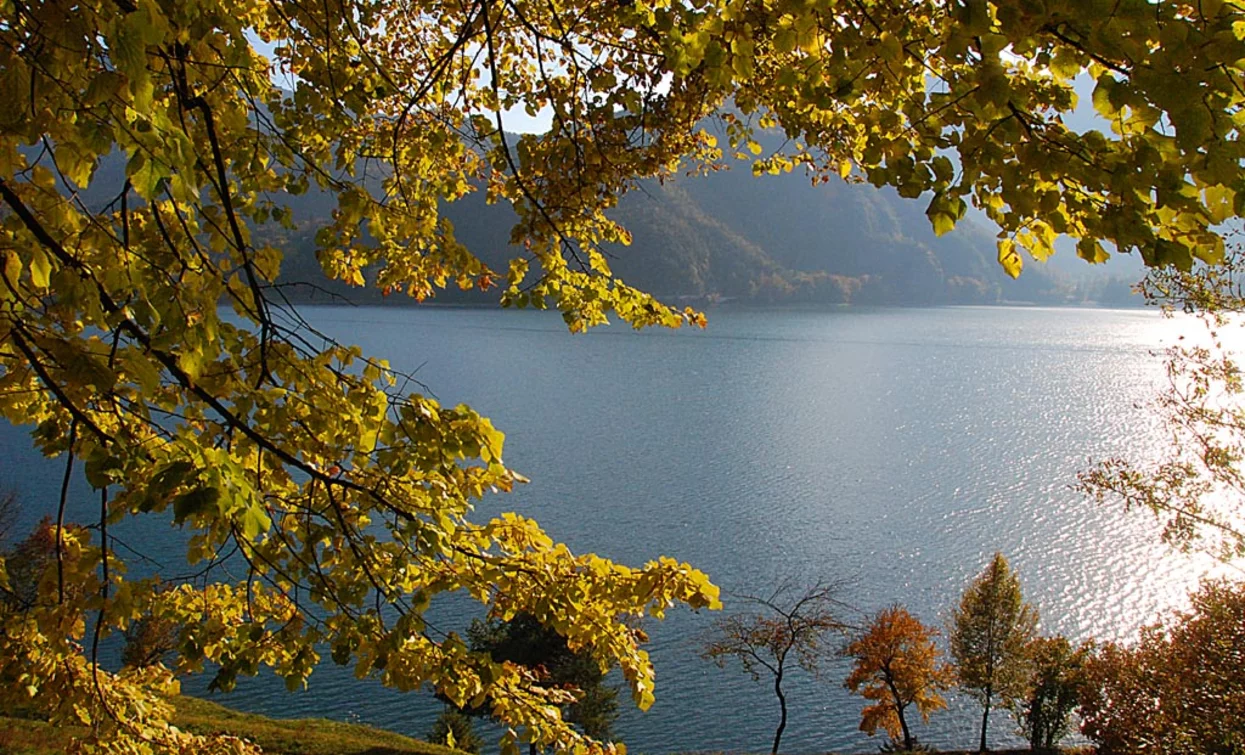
{"x": 1180, "y": 688}
{"x": 990, "y": 632}
{"x": 1196, "y": 488}
{"x": 453, "y": 729}
{"x": 789, "y": 626}
{"x": 348, "y": 498}
{"x": 35, "y": 569}
{"x": 896, "y": 666}
{"x": 149, "y": 639}
{"x": 524, "y": 641}
{"x": 1055, "y": 688}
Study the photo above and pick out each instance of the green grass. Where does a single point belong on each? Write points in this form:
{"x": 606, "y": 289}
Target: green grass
{"x": 279, "y": 736}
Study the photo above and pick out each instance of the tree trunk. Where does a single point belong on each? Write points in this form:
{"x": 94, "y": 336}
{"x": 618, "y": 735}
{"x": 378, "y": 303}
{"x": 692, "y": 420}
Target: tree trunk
{"x": 903, "y": 724}
{"x": 782, "y": 704}
{"x": 985, "y": 720}
{"x": 899, "y": 703}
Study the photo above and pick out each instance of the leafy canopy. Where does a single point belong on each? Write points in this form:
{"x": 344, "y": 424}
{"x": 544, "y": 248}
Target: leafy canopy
{"x": 896, "y": 665}
{"x": 990, "y": 635}
{"x": 1058, "y": 679}
{"x": 1179, "y": 688}
{"x": 525, "y": 641}
{"x": 347, "y": 498}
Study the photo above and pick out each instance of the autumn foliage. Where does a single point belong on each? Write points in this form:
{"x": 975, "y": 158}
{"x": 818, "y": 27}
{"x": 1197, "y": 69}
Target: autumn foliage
{"x": 1180, "y": 688}
{"x": 897, "y": 666}
{"x": 1057, "y": 681}
{"x": 147, "y": 339}
{"x": 990, "y": 635}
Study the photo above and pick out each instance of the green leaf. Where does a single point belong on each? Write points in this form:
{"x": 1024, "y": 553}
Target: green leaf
{"x": 1091, "y": 251}
{"x": 105, "y": 86}
{"x": 12, "y": 266}
{"x": 40, "y": 268}
{"x": 140, "y": 369}
{"x": 1102, "y": 96}
{"x": 101, "y": 470}
{"x": 74, "y": 165}
{"x": 196, "y": 501}
{"x": 891, "y": 48}
{"x": 254, "y": 522}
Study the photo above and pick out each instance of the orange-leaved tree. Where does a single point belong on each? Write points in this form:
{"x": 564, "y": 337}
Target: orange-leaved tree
{"x": 1180, "y": 688}
{"x": 897, "y": 665}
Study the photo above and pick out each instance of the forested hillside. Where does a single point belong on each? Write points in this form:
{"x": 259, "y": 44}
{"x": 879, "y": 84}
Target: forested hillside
{"x": 734, "y": 238}
{"x": 731, "y": 237}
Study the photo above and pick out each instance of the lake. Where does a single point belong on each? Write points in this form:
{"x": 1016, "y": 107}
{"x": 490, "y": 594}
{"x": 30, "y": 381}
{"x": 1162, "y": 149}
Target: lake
{"x": 898, "y": 448}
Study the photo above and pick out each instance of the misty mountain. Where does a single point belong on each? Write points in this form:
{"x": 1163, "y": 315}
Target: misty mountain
{"x": 732, "y": 237}
{"x": 770, "y": 240}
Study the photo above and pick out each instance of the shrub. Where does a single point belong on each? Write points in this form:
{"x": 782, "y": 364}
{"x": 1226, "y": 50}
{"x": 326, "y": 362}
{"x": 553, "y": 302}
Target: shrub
{"x": 453, "y": 728}
{"x": 1055, "y": 688}
{"x": 1181, "y": 689}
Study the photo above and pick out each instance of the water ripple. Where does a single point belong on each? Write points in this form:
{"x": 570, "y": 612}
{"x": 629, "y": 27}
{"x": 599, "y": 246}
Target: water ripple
{"x": 899, "y": 448}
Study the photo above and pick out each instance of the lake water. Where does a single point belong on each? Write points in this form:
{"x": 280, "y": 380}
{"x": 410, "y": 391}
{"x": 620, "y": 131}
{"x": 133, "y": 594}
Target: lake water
{"x": 896, "y": 447}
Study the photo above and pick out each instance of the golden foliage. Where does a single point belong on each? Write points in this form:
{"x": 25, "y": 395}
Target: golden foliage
{"x": 896, "y": 665}
{"x": 145, "y": 333}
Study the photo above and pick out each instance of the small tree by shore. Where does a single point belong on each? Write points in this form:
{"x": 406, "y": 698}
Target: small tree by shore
{"x": 1055, "y": 687}
{"x": 1180, "y": 688}
{"x": 527, "y": 642}
{"x": 897, "y": 666}
{"x": 990, "y": 633}
{"x": 453, "y": 728}
{"x": 787, "y": 627}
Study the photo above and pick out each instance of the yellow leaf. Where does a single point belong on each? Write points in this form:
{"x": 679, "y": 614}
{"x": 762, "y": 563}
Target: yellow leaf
{"x": 40, "y": 268}
{"x": 1009, "y": 258}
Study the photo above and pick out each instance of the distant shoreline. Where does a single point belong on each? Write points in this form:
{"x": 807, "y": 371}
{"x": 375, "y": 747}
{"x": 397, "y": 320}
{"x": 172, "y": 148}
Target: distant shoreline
{"x": 731, "y": 305}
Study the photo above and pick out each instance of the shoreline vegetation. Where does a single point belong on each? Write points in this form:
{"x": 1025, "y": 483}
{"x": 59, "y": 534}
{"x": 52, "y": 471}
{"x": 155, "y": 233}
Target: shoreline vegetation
{"x": 289, "y": 736}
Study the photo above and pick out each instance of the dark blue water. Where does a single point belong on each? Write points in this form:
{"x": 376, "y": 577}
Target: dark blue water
{"x": 897, "y": 448}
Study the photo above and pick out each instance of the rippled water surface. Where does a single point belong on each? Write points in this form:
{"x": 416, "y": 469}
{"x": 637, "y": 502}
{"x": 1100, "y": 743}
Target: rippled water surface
{"x": 896, "y": 447}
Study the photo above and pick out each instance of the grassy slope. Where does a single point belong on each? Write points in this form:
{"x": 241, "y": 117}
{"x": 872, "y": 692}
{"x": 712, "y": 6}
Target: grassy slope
{"x": 312, "y": 736}
{"x": 277, "y": 736}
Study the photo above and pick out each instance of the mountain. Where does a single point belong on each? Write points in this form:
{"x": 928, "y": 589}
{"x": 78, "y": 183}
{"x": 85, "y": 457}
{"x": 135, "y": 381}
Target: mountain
{"x": 770, "y": 240}
{"x": 732, "y": 237}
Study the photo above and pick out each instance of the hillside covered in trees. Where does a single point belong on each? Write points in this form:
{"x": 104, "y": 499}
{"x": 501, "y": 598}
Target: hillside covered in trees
{"x": 730, "y": 237}
{"x": 775, "y": 240}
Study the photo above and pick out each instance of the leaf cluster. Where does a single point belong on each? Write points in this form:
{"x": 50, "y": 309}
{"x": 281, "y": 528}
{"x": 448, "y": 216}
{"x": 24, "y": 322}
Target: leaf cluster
{"x": 1055, "y": 688}
{"x": 144, "y": 334}
{"x": 990, "y": 634}
{"x": 896, "y": 664}
{"x": 524, "y": 641}
{"x": 1179, "y": 688}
